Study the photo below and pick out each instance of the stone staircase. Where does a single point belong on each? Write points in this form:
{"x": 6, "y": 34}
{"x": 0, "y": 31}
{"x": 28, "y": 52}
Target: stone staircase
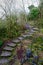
{"x": 8, "y": 51}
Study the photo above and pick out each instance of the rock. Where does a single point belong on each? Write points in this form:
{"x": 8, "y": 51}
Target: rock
{"x": 16, "y": 41}
{"x": 3, "y": 60}
{"x": 6, "y": 54}
{"x": 36, "y": 29}
{"x": 32, "y": 31}
{"x": 8, "y": 48}
{"x": 20, "y": 38}
{"x": 24, "y": 36}
{"x": 11, "y": 44}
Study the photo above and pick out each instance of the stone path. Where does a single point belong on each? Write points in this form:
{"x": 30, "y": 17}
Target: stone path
{"x": 26, "y": 42}
{"x": 7, "y": 50}
{"x": 7, "y": 53}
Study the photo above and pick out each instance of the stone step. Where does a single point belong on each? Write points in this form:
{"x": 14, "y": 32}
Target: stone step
{"x": 32, "y": 31}
{"x": 29, "y": 33}
{"x": 11, "y": 44}
{"x": 8, "y": 48}
{"x": 5, "y": 54}
{"x": 4, "y": 60}
{"x": 16, "y": 41}
{"x": 20, "y": 38}
{"x": 36, "y": 29}
{"x": 26, "y": 35}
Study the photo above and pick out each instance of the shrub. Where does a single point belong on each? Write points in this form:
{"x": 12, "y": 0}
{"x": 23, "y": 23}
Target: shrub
{"x": 1, "y": 43}
{"x": 3, "y": 32}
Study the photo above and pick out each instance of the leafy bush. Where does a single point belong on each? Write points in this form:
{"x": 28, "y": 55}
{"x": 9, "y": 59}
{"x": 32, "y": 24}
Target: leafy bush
{"x": 13, "y": 31}
{"x": 41, "y": 30}
{"x": 3, "y": 32}
{"x": 1, "y": 43}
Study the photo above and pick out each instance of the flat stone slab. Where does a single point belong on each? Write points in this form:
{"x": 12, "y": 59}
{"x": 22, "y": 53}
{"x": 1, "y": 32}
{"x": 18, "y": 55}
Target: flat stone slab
{"x": 6, "y": 54}
{"x": 16, "y": 41}
{"x": 8, "y": 48}
{"x": 11, "y": 44}
{"x": 26, "y": 35}
{"x": 3, "y": 60}
{"x": 32, "y": 31}
{"x": 20, "y": 38}
{"x": 35, "y": 29}
{"x": 29, "y": 33}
